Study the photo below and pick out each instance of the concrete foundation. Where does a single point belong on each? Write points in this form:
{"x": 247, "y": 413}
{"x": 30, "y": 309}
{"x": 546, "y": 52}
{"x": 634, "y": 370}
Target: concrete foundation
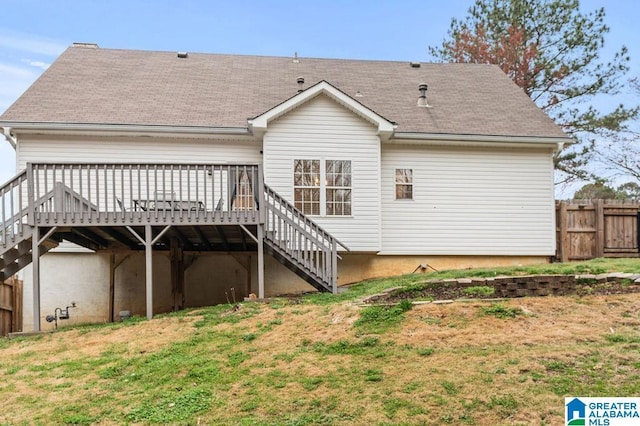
{"x": 210, "y": 278}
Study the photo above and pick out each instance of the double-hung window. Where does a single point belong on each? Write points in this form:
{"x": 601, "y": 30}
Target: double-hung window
{"x": 306, "y": 186}
{"x": 404, "y": 184}
{"x": 322, "y": 187}
{"x": 338, "y": 187}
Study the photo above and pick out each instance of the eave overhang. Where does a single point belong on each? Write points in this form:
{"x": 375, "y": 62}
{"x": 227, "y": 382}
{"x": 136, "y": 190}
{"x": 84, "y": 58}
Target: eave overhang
{"x": 450, "y": 139}
{"x": 136, "y": 130}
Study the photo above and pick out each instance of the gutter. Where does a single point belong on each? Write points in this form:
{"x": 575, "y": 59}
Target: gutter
{"x": 10, "y": 137}
{"x": 137, "y": 129}
{"x": 464, "y": 139}
{"x": 481, "y": 138}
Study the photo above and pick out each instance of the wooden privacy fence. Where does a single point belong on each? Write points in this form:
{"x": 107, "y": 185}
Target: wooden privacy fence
{"x": 587, "y": 229}
{"x": 10, "y": 306}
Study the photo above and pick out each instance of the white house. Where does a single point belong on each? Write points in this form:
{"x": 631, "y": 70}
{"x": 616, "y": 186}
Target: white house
{"x": 157, "y": 180}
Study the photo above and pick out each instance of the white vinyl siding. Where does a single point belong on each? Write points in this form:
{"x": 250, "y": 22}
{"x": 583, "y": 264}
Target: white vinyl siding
{"x": 469, "y": 201}
{"x": 135, "y": 150}
{"x": 323, "y": 130}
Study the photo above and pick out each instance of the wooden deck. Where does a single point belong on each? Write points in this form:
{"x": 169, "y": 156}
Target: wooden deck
{"x": 175, "y": 207}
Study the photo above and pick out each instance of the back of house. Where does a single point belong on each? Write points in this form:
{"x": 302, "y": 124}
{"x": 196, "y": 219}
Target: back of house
{"x": 159, "y": 180}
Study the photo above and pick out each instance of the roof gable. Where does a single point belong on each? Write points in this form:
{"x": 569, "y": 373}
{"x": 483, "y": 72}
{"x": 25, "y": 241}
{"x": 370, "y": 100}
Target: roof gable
{"x": 259, "y": 124}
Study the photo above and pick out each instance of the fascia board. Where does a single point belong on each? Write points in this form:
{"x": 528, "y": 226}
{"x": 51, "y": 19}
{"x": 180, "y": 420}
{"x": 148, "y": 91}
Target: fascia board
{"x": 259, "y": 124}
{"x": 125, "y": 130}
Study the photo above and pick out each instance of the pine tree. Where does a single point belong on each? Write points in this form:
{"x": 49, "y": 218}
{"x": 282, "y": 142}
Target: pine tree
{"x": 551, "y": 50}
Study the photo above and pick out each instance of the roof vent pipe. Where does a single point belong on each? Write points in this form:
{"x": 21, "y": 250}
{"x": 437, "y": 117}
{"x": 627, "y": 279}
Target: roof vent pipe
{"x": 422, "y": 100}
{"x": 300, "y": 81}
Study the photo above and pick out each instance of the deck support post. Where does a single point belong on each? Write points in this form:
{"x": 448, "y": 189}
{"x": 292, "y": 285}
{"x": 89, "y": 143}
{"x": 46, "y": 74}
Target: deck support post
{"x": 148, "y": 249}
{"x": 112, "y": 285}
{"x": 35, "y": 256}
{"x": 177, "y": 273}
{"x": 261, "y": 261}
{"x": 334, "y": 266}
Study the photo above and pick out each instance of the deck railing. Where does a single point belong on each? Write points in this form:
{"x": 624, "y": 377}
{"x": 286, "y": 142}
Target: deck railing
{"x": 13, "y": 211}
{"x": 304, "y": 241}
{"x": 130, "y": 194}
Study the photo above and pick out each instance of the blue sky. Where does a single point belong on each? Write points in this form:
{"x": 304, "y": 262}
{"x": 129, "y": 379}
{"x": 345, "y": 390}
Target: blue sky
{"x": 34, "y": 32}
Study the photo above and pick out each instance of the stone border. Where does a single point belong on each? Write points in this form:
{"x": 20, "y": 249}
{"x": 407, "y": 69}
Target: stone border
{"x": 521, "y": 286}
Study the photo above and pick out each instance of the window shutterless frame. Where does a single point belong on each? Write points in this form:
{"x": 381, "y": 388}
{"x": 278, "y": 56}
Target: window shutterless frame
{"x": 404, "y": 184}
{"x": 322, "y": 187}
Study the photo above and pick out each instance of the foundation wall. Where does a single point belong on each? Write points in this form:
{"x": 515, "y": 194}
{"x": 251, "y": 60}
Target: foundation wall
{"x": 357, "y": 267}
{"x": 209, "y": 279}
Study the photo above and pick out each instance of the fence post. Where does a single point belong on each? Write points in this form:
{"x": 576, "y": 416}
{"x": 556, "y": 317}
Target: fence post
{"x": 599, "y": 239}
{"x": 564, "y": 235}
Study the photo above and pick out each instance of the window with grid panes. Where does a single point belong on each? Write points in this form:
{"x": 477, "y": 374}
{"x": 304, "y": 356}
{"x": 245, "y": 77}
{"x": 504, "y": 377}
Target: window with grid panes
{"x": 404, "y": 184}
{"x": 338, "y": 187}
{"x": 306, "y": 186}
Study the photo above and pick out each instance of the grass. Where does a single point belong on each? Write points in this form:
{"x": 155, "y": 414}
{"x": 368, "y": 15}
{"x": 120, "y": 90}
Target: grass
{"x": 479, "y": 291}
{"x": 328, "y": 361}
{"x": 501, "y": 311}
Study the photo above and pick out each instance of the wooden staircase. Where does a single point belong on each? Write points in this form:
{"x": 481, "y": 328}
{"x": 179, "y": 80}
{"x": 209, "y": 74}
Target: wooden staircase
{"x": 15, "y": 234}
{"x": 15, "y": 258}
{"x": 300, "y": 244}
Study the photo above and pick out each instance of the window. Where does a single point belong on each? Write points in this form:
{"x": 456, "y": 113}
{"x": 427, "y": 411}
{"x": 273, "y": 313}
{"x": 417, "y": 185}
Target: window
{"x": 322, "y": 187}
{"x": 306, "y": 186}
{"x": 243, "y": 199}
{"x": 338, "y": 187}
{"x": 404, "y": 184}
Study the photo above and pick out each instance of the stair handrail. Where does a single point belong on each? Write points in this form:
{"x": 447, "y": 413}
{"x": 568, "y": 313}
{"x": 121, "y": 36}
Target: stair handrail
{"x": 13, "y": 208}
{"x": 307, "y": 223}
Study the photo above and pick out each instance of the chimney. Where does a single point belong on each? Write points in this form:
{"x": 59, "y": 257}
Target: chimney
{"x": 422, "y": 100}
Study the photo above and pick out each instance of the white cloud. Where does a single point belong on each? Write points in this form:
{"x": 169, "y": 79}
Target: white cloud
{"x": 15, "y": 80}
{"x": 36, "y": 64}
{"x": 16, "y": 72}
{"x": 31, "y": 43}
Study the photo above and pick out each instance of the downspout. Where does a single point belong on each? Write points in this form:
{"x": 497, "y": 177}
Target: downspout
{"x": 11, "y": 138}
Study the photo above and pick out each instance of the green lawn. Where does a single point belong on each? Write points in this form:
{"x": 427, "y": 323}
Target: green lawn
{"x": 324, "y": 360}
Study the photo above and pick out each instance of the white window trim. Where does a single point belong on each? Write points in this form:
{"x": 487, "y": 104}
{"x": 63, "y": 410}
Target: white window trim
{"x": 323, "y": 185}
{"x": 395, "y": 185}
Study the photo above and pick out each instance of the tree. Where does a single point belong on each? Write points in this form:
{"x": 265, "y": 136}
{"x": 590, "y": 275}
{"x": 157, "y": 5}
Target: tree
{"x": 595, "y": 191}
{"x": 629, "y": 191}
{"x": 621, "y": 153}
{"x": 599, "y": 189}
{"x": 551, "y": 50}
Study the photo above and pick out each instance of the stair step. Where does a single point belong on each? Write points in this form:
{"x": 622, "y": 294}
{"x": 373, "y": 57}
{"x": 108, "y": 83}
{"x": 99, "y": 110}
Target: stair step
{"x": 8, "y": 270}
{"x": 14, "y": 253}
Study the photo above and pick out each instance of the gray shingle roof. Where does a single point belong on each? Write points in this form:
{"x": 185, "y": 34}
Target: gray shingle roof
{"x": 88, "y": 85}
